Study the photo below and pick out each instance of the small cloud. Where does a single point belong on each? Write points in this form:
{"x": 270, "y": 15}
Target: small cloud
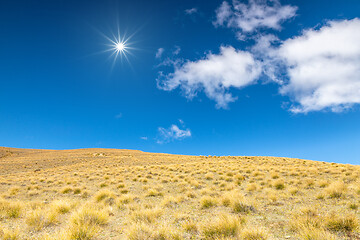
{"x": 255, "y": 15}
{"x": 118, "y": 116}
{"x": 191, "y": 11}
{"x": 172, "y": 133}
{"x": 177, "y": 50}
{"x": 159, "y": 53}
{"x": 144, "y": 138}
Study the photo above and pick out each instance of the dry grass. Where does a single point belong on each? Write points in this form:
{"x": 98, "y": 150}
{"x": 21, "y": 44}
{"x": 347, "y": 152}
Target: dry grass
{"x": 100, "y": 194}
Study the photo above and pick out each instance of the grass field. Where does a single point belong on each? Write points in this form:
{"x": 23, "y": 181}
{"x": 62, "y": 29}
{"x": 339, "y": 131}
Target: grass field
{"x": 125, "y": 194}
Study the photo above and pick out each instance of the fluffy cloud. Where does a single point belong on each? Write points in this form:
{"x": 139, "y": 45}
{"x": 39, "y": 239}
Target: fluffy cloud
{"x": 257, "y": 14}
{"x": 159, "y": 53}
{"x": 172, "y": 133}
{"x": 214, "y": 74}
{"x": 323, "y": 67}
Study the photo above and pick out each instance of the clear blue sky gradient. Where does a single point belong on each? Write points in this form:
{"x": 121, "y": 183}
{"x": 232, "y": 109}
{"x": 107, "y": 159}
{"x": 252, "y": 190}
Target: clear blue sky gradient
{"x": 57, "y": 91}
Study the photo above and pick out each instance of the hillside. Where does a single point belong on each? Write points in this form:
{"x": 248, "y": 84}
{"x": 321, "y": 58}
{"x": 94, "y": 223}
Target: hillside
{"x": 127, "y": 194}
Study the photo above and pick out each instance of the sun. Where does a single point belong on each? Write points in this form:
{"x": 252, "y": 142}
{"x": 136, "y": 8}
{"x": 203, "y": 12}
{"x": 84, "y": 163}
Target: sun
{"x": 120, "y": 46}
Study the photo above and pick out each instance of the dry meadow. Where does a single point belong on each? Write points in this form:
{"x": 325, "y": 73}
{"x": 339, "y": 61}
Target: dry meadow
{"x": 126, "y": 194}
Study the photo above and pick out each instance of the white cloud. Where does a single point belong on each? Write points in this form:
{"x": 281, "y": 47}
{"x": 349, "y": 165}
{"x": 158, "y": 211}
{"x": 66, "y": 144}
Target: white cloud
{"x": 257, "y": 14}
{"x": 267, "y": 54}
{"x": 177, "y": 50}
{"x": 119, "y": 115}
{"x": 191, "y": 11}
{"x": 223, "y": 13}
{"x": 159, "y": 53}
{"x": 323, "y": 67}
{"x": 214, "y": 74}
{"x": 172, "y": 133}
{"x": 144, "y": 138}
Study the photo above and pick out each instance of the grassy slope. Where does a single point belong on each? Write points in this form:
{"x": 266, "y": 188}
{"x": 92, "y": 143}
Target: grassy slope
{"x": 126, "y": 194}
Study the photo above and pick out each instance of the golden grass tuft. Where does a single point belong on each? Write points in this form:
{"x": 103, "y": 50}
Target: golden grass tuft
{"x": 223, "y": 226}
{"x": 9, "y": 234}
{"x": 146, "y": 215}
{"x": 342, "y": 223}
{"x": 254, "y": 233}
{"x": 208, "y": 202}
{"x": 90, "y": 216}
{"x": 10, "y": 209}
{"x": 336, "y": 189}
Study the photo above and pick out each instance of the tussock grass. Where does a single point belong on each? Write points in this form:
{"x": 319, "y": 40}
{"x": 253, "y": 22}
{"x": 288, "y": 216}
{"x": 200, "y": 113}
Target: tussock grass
{"x": 39, "y": 218}
{"x": 342, "y": 223}
{"x": 146, "y": 215}
{"x": 208, "y": 202}
{"x": 223, "y": 226}
{"x": 121, "y": 194}
{"x": 9, "y": 234}
{"x": 10, "y": 209}
{"x": 336, "y": 189}
{"x": 90, "y": 216}
{"x": 254, "y": 233}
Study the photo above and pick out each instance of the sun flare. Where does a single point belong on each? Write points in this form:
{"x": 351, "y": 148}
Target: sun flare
{"x": 120, "y": 46}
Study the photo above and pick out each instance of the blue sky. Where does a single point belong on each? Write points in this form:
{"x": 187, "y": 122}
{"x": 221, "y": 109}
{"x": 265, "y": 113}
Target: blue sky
{"x": 260, "y": 78}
